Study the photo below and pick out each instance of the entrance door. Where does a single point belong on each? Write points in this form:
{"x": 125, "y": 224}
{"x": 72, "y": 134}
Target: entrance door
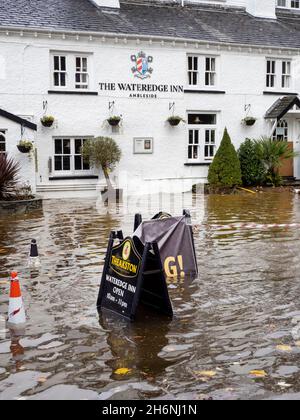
{"x": 287, "y": 168}
{"x": 284, "y": 132}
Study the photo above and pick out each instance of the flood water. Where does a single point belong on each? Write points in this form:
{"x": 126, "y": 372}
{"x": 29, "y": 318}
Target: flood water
{"x": 229, "y": 321}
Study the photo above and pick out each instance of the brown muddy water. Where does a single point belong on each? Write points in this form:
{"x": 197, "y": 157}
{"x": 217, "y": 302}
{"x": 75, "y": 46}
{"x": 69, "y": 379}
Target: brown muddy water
{"x": 229, "y": 321}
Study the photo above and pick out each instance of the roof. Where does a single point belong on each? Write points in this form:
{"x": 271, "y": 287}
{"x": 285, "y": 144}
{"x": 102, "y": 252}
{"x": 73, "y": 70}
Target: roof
{"x": 282, "y": 106}
{"x": 218, "y": 24}
{"x": 18, "y": 120}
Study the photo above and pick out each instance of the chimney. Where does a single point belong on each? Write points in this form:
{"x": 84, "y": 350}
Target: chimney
{"x": 262, "y": 8}
{"x": 114, "y": 4}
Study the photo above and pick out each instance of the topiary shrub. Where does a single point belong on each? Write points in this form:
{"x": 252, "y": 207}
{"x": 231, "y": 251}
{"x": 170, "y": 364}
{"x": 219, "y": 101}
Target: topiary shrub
{"x": 252, "y": 167}
{"x": 104, "y": 153}
{"x": 225, "y": 170}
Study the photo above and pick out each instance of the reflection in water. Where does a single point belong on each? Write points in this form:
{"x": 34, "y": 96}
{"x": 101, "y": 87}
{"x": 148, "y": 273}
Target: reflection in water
{"x": 244, "y": 303}
{"x": 17, "y": 350}
{"x": 132, "y": 346}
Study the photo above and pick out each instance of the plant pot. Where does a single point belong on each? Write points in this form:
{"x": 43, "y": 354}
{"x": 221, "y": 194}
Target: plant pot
{"x": 174, "y": 122}
{"x": 249, "y": 123}
{"x": 21, "y": 206}
{"x": 114, "y": 122}
{"x": 47, "y": 123}
{"x": 23, "y": 149}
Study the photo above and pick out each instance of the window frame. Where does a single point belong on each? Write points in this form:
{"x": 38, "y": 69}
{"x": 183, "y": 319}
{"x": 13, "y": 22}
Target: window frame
{"x": 72, "y": 171}
{"x": 289, "y": 4}
{"x": 59, "y": 71}
{"x": 71, "y": 71}
{"x": 284, "y": 125}
{"x": 286, "y": 74}
{"x": 280, "y": 77}
{"x": 202, "y": 130}
{"x": 201, "y": 71}
{"x": 3, "y": 134}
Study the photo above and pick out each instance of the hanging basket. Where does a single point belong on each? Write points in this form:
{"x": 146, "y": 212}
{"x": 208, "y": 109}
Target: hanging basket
{"x": 249, "y": 121}
{"x": 114, "y": 121}
{"x": 175, "y": 120}
{"x": 47, "y": 121}
{"x": 24, "y": 149}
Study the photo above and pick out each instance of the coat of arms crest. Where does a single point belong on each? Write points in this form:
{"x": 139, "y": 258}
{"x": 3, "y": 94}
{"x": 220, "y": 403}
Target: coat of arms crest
{"x": 142, "y": 70}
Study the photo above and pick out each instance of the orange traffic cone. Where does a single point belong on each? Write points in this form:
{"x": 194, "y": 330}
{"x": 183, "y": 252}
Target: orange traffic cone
{"x": 16, "y": 312}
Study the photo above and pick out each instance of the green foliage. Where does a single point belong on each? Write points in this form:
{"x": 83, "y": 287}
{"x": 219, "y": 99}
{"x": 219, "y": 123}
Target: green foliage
{"x": 26, "y": 143}
{"x": 249, "y": 121}
{"x": 9, "y": 170}
{"x": 225, "y": 170}
{"x": 253, "y": 170}
{"x": 272, "y": 154}
{"x": 114, "y": 120}
{"x": 175, "y": 120}
{"x": 47, "y": 120}
{"x": 102, "y": 152}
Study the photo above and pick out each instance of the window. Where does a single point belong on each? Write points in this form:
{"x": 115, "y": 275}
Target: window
{"x": 286, "y": 74}
{"x": 210, "y": 71}
{"x": 81, "y": 75}
{"x": 193, "y": 151}
{"x": 60, "y": 73}
{"x": 201, "y": 136}
{"x": 79, "y": 163}
{"x": 62, "y": 155}
{"x": 202, "y": 71}
{"x": 70, "y": 71}
{"x": 210, "y": 142}
{"x": 67, "y": 155}
{"x": 279, "y": 74}
{"x": 292, "y": 4}
{"x": 271, "y": 73}
{"x": 2, "y": 141}
{"x": 295, "y": 4}
{"x": 193, "y": 70}
{"x": 281, "y": 132}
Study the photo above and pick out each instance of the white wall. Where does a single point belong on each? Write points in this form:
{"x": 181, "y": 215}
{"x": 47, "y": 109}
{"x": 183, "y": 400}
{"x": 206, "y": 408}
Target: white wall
{"x": 27, "y": 161}
{"x": 26, "y": 85}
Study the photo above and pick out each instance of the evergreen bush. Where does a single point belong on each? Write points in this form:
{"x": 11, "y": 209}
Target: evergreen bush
{"x": 225, "y": 170}
{"x": 252, "y": 167}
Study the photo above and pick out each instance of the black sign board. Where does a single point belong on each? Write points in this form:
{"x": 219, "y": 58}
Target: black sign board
{"x": 133, "y": 274}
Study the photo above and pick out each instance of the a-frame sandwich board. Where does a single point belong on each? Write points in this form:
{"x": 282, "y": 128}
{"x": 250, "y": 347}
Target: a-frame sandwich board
{"x": 133, "y": 275}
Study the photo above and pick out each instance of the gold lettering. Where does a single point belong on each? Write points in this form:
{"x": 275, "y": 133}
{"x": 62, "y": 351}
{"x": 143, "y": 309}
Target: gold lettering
{"x": 171, "y": 270}
{"x": 171, "y": 267}
{"x": 125, "y": 265}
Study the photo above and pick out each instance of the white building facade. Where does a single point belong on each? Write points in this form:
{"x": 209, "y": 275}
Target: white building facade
{"x": 209, "y": 74}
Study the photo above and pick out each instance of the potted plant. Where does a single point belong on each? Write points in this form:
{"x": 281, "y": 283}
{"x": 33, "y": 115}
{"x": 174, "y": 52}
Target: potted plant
{"x": 104, "y": 153}
{"x": 25, "y": 146}
{"x": 175, "y": 120}
{"x": 47, "y": 120}
{"x": 114, "y": 121}
{"x": 249, "y": 121}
